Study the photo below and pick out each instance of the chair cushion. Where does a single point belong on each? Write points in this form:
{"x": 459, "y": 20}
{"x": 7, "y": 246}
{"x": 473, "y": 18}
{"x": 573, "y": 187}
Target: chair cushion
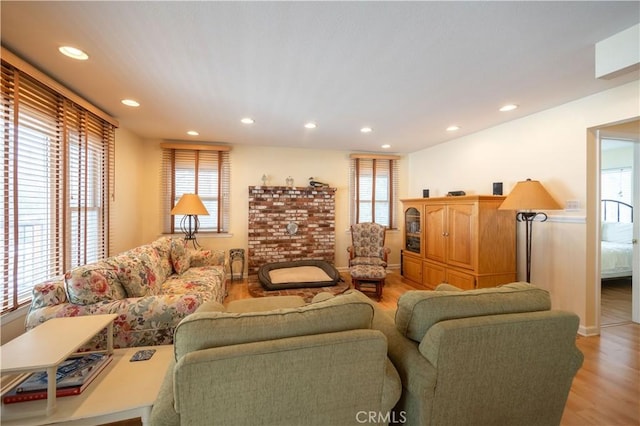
{"x": 420, "y": 310}
{"x": 215, "y": 329}
{"x": 376, "y": 261}
{"x": 365, "y": 272}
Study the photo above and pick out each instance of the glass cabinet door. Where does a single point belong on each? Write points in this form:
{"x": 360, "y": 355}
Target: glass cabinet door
{"x": 412, "y": 230}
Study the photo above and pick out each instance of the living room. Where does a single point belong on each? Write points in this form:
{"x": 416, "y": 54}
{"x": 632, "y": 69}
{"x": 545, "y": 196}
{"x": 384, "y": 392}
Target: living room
{"x": 555, "y": 144}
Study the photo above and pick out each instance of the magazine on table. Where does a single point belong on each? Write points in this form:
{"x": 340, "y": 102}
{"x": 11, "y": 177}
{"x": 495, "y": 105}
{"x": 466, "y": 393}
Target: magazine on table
{"x": 72, "y": 372}
{"x": 80, "y": 372}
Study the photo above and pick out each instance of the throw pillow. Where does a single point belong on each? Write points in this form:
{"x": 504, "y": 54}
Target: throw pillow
{"x": 93, "y": 283}
{"x": 180, "y": 256}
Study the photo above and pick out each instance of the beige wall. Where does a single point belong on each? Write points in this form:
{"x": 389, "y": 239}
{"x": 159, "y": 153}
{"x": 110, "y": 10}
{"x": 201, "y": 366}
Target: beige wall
{"x": 248, "y": 164}
{"x": 126, "y": 222}
{"x": 550, "y": 146}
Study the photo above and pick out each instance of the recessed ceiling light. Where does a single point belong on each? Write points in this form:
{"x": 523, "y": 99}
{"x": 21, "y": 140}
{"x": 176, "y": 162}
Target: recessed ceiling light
{"x": 453, "y": 128}
{"x": 247, "y": 120}
{"x": 130, "y": 102}
{"x": 508, "y": 107}
{"x": 385, "y": 146}
{"x": 310, "y": 125}
{"x": 192, "y": 133}
{"x": 73, "y": 52}
{"x": 366, "y": 130}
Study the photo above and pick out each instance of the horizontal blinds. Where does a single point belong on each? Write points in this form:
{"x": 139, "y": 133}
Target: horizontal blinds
{"x": 55, "y": 175}
{"x": 204, "y": 172}
{"x": 373, "y": 188}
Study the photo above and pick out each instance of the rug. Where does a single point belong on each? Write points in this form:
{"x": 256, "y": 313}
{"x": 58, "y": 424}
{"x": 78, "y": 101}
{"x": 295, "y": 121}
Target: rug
{"x": 307, "y": 293}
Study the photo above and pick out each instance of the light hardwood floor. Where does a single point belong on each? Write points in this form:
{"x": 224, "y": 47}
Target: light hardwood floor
{"x": 606, "y": 390}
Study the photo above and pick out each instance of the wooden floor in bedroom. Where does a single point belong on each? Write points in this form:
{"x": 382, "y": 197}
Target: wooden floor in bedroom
{"x": 615, "y": 302}
{"x": 606, "y": 390}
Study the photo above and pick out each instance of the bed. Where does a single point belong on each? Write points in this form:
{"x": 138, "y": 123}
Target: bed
{"x": 616, "y": 240}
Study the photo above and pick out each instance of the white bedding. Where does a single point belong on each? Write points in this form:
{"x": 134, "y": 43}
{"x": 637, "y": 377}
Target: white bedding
{"x": 616, "y": 259}
{"x": 616, "y": 250}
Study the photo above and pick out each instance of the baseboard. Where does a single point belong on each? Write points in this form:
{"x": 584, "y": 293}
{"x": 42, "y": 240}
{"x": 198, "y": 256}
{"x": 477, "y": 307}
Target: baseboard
{"x": 588, "y": 331}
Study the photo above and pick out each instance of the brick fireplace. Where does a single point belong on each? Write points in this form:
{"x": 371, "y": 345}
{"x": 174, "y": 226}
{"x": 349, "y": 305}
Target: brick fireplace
{"x": 290, "y": 224}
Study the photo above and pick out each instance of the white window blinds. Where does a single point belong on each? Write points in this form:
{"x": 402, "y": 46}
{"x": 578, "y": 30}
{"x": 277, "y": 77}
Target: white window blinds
{"x": 56, "y": 171}
{"x": 196, "y": 169}
{"x": 373, "y": 189}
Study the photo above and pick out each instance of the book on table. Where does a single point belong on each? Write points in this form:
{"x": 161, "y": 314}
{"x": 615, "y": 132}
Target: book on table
{"x": 72, "y": 377}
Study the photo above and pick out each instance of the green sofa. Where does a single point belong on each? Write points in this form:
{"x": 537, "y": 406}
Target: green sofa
{"x": 318, "y": 364}
{"x": 496, "y": 356}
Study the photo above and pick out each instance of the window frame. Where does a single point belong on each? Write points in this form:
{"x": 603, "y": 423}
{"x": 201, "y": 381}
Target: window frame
{"x": 377, "y": 165}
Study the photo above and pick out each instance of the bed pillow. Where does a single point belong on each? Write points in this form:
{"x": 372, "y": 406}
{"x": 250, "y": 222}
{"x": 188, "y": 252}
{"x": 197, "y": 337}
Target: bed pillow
{"x": 616, "y": 232}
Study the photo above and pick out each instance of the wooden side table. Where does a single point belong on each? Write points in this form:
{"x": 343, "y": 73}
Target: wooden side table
{"x": 236, "y": 254}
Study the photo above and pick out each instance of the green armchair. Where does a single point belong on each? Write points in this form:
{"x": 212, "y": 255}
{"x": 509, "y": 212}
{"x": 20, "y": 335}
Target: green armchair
{"x": 495, "y": 356}
{"x": 318, "y": 364}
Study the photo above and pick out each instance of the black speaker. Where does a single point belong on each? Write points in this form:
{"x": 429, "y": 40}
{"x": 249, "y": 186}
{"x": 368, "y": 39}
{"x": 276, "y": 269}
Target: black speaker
{"x": 497, "y": 188}
{"x": 425, "y": 193}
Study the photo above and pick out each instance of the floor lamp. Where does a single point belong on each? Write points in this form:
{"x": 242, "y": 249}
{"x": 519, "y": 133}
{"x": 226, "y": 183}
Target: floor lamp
{"x": 190, "y": 206}
{"x": 530, "y": 196}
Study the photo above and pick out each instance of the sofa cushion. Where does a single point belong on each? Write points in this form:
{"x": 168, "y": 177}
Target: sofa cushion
{"x": 419, "y": 310}
{"x": 139, "y": 271}
{"x": 93, "y": 283}
{"x": 215, "y": 329}
{"x": 180, "y": 256}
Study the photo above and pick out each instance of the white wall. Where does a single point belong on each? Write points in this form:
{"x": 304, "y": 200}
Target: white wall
{"x": 550, "y": 146}
{"x": 248, "y": 164}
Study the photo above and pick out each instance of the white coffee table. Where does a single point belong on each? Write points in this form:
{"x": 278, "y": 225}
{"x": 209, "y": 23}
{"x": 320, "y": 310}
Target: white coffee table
{"x": 124, "y": 390}
{"x": 44, "y": 347}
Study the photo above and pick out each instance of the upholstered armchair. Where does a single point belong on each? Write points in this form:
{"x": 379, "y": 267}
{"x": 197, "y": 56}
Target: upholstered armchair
{"x": 495, "y": 356}
{"x": 316, "y": 364}
{"x": 367, "y": 245}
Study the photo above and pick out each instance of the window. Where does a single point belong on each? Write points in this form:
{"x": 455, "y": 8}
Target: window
{"x": 56, "y": 169}
{"x": 373, "y": 189}
{"x": 196, "y": 169}
{"x": 616, "y": 184}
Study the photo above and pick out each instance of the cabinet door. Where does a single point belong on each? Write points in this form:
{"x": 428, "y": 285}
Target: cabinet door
{"x": 461, "y": 235}
{"x": 432, "y": 274}
{"x": 413, "y": 230}
{"x": 434, "y": 233}
{"x": 412, "y": 269}
{"x": 461, "y": 280}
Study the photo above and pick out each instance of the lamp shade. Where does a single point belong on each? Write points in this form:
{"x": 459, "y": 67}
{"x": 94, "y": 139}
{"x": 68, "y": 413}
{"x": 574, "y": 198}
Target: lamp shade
{"x": 529, "y": 195}
{"x": 190, "y": 204}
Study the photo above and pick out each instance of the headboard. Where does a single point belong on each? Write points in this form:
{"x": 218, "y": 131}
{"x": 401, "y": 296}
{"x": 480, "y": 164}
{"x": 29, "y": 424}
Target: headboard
{"x": 616, "y": 211}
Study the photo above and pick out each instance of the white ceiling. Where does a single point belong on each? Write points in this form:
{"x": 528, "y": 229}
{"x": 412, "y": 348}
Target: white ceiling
{"x": 407, "y": 69}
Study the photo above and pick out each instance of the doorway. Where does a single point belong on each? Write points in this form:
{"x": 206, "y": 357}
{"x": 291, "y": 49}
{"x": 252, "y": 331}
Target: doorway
{"x": 616, "y": 226}
{"x": 619, "y": 180}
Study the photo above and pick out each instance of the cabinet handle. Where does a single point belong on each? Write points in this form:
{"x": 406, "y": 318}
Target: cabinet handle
{"x": 445, "y": 234}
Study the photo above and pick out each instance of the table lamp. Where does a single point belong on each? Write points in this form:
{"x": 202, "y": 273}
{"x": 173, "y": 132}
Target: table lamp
{"x": 190, "y": 206}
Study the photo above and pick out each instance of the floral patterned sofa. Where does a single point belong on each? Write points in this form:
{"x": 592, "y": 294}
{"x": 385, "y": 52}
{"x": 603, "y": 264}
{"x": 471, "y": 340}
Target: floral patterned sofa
{"x": 151, "y": 288}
